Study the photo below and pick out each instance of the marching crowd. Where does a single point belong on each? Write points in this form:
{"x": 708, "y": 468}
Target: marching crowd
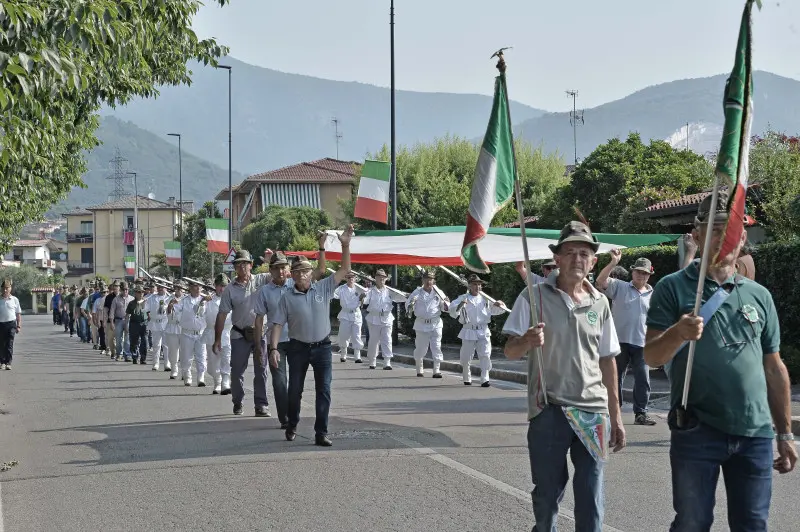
{"x": 578, "y": 343}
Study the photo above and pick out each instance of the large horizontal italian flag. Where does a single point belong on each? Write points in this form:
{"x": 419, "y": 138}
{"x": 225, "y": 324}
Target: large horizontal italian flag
{"x": 172, "y": 250}
{"x": 372, "y": 202}
{"x": 441, "y": 246}
{"x": 217, "y": 235}
{"x": 734, "y": 152}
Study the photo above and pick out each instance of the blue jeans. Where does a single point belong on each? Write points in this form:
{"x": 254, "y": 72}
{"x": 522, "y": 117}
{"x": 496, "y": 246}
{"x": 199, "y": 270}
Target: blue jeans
{"x": 280, "y": 380}
{"x": 696, "y": 456}
{"x": 550, "y": 437}
{"x": 634, "y": 355}
{"x": 123, "y": 339}
{"x": 82, "y": 328}
{"x": 300, "y": 355}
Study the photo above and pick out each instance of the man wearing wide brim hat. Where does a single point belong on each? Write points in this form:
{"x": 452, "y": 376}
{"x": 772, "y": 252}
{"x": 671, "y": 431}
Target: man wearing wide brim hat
{"x": 107, "y": 319}
{"x": 427, "y": 302}
{"x": 547, "y": 268}
{"x": 379, "y": 301}
{"x": 739, "y": 388}
{"x": 136, "y": 325}
{"x": 191, "y": 313}
{"x": 172, "y": 331}
{"x": 474, "y": 312}
{"x": 350, "y": 319}
{"x": 118, "y": 312}
{"x": 305, "y": 309}
{"x": 573, "y": 336}
{"x": 97, "y": 317}
{"x": 631, "y": 301}
{"x": 155, "y": 307}
{"x": 219, "y": 364}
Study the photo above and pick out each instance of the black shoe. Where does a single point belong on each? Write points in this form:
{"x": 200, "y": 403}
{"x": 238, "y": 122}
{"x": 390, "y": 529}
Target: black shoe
{"x": 134, "y": 360}
{"x": 358, "y": 361}
{"x": 215, "y": 392}
{"x": 263, "y": 411}
{"x": 290, "y": 434}
{"x": 284, "y": 425}
{"x": 172, "y": 377}
{"x": 167, "y": 369}
{"x": 437, "y": 376}
{"x": 322, "y": 441}
{"x": 467, "y": 384}
{"x": 486, "y": 384}
{"x": 201, "y": 384}
{"x": 237, "y": 409}
{"x": 420, "y": 374}
{"x": 142, "y": 362}
{"x": 643, "y": 419}
{"x": 226, "y": 391}
{"x": 372, "y": 367}
{"x": 388, "y": 368}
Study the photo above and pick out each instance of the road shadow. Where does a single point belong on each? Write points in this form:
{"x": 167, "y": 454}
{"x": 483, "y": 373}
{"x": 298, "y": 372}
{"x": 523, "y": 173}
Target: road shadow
{"x": 229, "y": 436}
{"x": 460, "y": 405}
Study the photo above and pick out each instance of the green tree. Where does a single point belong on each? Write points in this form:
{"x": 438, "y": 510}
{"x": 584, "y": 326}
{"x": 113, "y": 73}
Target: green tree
{"x": 620, "y": 178}
{"x": 195, "y": 249}
{"x": 775, "y": 165}
{"x": 434, "y": 183}
{"x": 24, "y": 279}
{"x": 60, "y": 61}
{"x": 284, "y": 228}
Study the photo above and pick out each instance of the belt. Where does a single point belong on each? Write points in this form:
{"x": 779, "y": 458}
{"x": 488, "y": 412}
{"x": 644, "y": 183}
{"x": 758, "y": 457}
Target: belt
{"x": 429, "y": 321}
{"x": 189, "y": 331}
{"x": 326, "y": 341}
{"x": 118, "y": 319}
{"x": 475, "y": 327}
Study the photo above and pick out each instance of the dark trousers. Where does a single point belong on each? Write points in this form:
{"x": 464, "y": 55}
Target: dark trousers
{"x": 56, "y": 317}
{"x": 240, "y": 358}
{"x": 65, "y": 320}
{"x": 8, "y": 330}
{"x": 280, "y": 380}
{"x": 299, "y": 356}
{"x": 138, "y": 334}
{"x": 633, "y": 355}
{"x": 71, "y": 323}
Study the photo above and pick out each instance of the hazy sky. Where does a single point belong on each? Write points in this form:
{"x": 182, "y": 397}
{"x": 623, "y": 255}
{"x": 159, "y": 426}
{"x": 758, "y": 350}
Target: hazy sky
{"x": 605, "y": 49}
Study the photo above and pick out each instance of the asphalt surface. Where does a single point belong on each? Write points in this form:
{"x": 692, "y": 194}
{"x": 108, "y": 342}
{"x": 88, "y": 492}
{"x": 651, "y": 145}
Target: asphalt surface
{"x": 104, "y": 445}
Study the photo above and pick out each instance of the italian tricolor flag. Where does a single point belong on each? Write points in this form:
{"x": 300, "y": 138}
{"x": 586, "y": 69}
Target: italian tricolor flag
{"x": 172, "y": 250}
{"x": 372, "y": 202}
{"x": 734, "y": 151}
{"x": 495, "y": 173}
{"x": 217, "y": 235}
{"x": 130, "y": 266}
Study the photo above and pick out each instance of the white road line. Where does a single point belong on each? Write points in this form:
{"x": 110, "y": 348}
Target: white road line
{"x": 482, "y": 477}
{"x": 2, "y": 526}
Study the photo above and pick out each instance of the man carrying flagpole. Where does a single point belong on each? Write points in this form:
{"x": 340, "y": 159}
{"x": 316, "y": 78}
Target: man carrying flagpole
{"x": 740, "y": 385}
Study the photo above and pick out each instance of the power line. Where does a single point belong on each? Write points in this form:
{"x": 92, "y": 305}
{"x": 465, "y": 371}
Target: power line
{"x": 575, "y": 117}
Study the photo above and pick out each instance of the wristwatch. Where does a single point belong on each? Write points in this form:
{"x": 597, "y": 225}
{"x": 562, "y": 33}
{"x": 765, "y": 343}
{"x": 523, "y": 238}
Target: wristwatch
{"x": 271, "y": 349}
{"x": 785, "y": 437}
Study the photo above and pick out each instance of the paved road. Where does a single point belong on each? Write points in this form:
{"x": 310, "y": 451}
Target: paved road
{"x": 110, "y": 446}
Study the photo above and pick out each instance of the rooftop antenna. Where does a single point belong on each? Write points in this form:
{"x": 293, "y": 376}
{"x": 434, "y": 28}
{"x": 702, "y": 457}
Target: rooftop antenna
{"x": 335, "y": 122}
{"x": 575, "y": 117}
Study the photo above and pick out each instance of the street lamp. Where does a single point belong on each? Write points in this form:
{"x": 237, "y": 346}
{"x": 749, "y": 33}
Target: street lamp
{"x": 230, "y": 171}
{"x": 135, "y": 225}
{"x": 180, "y": 192}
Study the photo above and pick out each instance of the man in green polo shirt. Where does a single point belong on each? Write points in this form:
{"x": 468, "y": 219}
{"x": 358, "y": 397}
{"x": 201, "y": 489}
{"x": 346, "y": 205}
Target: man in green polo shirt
{"x": 739, "y": 387}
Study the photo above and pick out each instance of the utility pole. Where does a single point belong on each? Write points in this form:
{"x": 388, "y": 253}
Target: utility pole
{"x": 574, "y": 118}
{"x": 119, "y": 167}
{"x": 393, "y": 175}
{"x": 180, "y": 192}
{"x": 135, "y": 226}
{"x": 687, "y": 136}
{"x": 335, "y": 122}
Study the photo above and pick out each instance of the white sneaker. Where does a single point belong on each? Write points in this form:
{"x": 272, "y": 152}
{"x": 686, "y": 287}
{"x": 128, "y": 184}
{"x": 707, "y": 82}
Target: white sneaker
{"x": 217, "y": 385}
{"x": 201, "y": 377}
{"x": 174, "y": 374}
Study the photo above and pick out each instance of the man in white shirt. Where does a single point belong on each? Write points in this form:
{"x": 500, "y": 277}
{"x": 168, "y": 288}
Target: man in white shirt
{"x": 219, "y": 364}
{"x": 427, "y": 303}
{"x": 350, "y": 319}
{"x": 192, "y": 314}
{"x": 156, "y": 308}
{"x": 10, "y": 323}
{"x": 380, "y": 320}
{"x": 172, "y": 332}
{"x": 474, "y": 312}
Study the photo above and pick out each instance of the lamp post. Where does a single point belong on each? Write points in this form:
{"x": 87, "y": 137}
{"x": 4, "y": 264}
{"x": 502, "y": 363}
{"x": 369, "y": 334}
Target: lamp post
{"x": 180, "y": 192}
{"x": 230, "y": 157}
{"x": 135, "y": 225}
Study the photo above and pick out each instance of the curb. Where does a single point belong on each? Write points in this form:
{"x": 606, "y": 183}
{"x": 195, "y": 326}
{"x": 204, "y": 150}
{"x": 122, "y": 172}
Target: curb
{"x": 796, "y": 425}
{"x": 507, "y": 375}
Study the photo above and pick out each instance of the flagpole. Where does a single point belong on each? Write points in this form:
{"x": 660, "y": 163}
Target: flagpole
{"x": 393, "y": 175}
{"x": 501, "y": 66}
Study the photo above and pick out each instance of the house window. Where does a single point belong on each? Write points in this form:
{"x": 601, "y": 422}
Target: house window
{"x": 129, "y": 250}
{"x": 129, "y": 222}
{"x": 87, "y": 255}
{"x": 86, "y": 228}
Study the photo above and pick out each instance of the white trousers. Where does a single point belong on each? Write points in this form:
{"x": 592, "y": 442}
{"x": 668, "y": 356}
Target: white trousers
{"x": 159, "y": 338}
{"x": 350, "y": 335}
{"x": 380, "y": 334}
{"x": 219, "y": 364}
{"x": 428, "y": 339}
{"x": 484, "y": 348}
{"x": 192, "y": 348}
{"x": 173, "y": 350}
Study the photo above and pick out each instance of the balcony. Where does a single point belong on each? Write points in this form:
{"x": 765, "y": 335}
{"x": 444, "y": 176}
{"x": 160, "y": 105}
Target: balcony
{"x": 80, "y": 268}
{"x": 80, "y": 238}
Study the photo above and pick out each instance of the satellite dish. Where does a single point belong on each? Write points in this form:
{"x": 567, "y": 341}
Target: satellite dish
{"x": 151, "y": 195}
{"x": 62, "y": 257}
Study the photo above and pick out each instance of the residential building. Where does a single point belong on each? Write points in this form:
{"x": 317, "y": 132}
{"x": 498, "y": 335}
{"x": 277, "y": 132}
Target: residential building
{"x": 320, "y": 184}
{"x": 37, "y": 253}
{"x": 80, "y": 245}
{"x": 113, "y": 233}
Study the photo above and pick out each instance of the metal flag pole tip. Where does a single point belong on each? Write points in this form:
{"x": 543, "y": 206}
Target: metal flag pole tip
{"x": 501, "y": 66}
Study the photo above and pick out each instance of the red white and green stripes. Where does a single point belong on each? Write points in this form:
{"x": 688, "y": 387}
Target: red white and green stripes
{"x": 372, "y": 202}
{"x": 734, "y": 151}
{"x": 130, "y": 265}
{"x": 217, "y": 235}
{"x": 172, "y": 250}
{"x": 493, "y": 186}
